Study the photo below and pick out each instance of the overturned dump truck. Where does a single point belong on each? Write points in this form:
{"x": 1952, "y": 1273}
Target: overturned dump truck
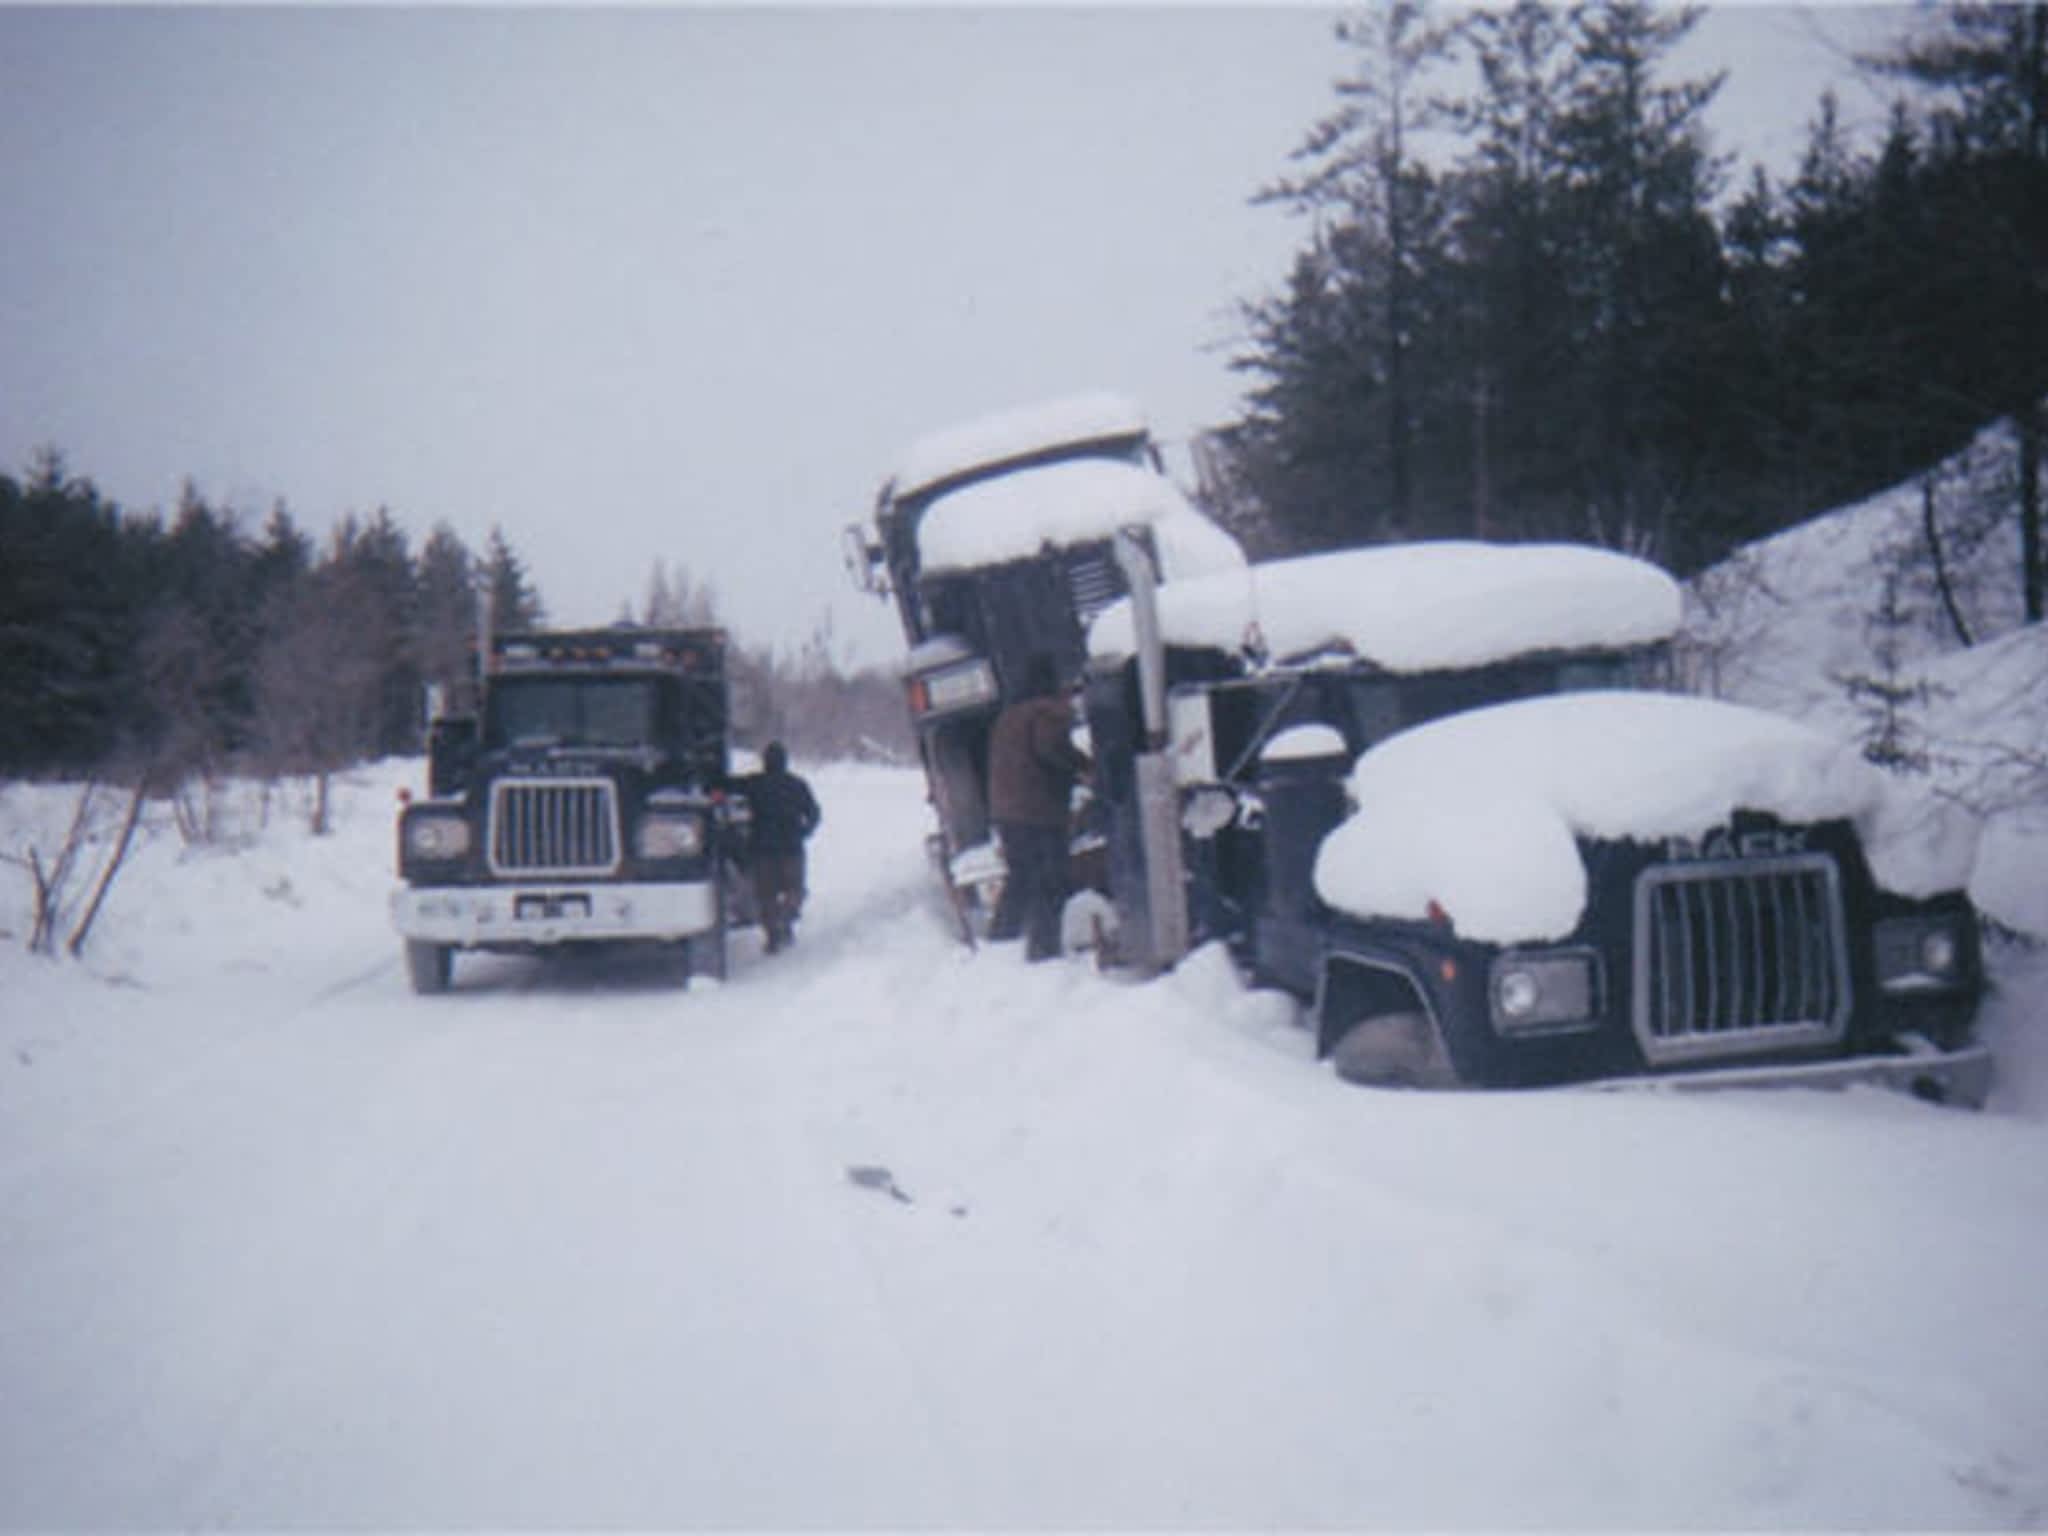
{"x": 1433, "y": 791}
{"x": 994, "y": 541}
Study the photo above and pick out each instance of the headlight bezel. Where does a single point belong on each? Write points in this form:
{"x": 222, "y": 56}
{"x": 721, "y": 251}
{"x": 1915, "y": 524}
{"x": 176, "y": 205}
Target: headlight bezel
{"x": 668, "y": 837}
{"x": 437, "y": 835}
{"x": 1546, "y": 991}
{"x": 1924, "y": 952}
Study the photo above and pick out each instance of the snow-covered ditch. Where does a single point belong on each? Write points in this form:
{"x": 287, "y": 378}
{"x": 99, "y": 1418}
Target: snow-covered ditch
{"x": 884, "y": 1232}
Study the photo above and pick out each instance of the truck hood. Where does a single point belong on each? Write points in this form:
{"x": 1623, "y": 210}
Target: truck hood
{"x": 1481, "y": 815}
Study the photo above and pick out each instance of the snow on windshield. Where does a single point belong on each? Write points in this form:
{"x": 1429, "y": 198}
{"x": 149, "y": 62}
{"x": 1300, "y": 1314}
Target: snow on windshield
{"x": 1479, "y": 812}
{"x": 1012, "y": 434}
{"x": 1079, "y": 501}
{"x": 1416, "y": 607}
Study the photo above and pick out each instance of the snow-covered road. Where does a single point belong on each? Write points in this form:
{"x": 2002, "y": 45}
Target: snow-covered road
{"x": 884, "y": 1233}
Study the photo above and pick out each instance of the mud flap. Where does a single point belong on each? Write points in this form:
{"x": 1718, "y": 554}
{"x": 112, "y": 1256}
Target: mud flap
{"x": 956, "y": 899}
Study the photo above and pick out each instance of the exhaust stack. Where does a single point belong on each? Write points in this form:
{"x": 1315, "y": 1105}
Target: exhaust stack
{"x": 1165, "y": 936}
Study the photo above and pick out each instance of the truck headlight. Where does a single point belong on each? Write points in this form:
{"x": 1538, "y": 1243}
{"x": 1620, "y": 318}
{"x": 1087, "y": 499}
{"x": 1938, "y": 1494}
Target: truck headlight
{"x": 957, "y": 687}
{"x": 669, "y": 837}
{"x": 1544, "y": 991}
{"x": 437, "y": 838}
{"x": 1919, "y": 954}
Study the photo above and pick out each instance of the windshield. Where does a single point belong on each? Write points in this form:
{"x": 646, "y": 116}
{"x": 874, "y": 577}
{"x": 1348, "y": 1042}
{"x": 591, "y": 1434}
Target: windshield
{"x": 571, "y": 711}
{"x": 1368, "y": 706}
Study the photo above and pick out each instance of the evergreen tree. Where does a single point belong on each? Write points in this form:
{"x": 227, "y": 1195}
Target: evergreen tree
{"x": 198, "y": 636}
{"x": 1512, "y": 239}
{"x": 515, "y": 602}
{"x": 445, "y": 619}
{"x": 66, "y": 622}
{"x": 1342, "y": 421}
{"x": 369, "y": 574}
{"x": 1644, "y": 276}
{"x": 1983, "y": 69}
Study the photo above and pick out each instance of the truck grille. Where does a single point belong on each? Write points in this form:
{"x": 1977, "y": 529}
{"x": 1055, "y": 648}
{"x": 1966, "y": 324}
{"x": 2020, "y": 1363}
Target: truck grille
{"x": 1739, "y": 957}
{"x": 554, "y": 827}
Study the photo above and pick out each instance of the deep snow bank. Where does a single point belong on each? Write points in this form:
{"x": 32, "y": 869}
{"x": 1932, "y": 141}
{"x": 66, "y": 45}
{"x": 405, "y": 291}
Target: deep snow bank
{"x": 1798, "y": 622}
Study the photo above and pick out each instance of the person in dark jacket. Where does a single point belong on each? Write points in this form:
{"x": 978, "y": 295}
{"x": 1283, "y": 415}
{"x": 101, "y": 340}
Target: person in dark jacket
{"x": 785, "y": 814}
{"x": 1032, "y": 766}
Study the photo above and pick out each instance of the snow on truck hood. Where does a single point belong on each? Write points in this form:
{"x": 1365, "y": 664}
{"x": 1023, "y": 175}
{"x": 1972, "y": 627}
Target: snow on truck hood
{"x": 1076, "y": 501}
{"x": 1444, "y": 809}
{"x": 1415, "y": 607}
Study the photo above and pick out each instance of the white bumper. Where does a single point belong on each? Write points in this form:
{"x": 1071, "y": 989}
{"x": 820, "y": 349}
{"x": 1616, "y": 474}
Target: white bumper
{"x": 481, "y": 916}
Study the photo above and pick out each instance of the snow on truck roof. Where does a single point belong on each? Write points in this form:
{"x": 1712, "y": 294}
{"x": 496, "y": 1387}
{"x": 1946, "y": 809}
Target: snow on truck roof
{"x": 1443, "y": 809}
{"x": 1014, "y": 434}
{"x": 1075, "y": 501}
{"x": 1416, "y": 607}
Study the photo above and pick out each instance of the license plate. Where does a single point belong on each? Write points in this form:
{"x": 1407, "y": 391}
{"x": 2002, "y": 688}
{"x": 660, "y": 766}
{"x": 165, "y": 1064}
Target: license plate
{"x": 545, "y": 908}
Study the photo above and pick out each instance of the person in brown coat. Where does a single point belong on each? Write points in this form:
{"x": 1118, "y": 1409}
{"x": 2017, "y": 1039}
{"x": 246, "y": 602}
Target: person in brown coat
{"x": 1032, "y": 766}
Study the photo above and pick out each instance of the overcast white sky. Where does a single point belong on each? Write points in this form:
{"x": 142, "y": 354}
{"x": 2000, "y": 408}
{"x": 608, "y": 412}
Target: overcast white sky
{"x": 641, "y": 283}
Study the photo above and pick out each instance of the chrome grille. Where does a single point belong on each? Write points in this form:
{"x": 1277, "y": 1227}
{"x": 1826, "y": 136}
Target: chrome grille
{"x": 1739, "y": 957}
{"x": 554, "y": 827}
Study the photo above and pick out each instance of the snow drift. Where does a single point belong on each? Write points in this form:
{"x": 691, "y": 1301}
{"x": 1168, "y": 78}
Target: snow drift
{"x": 1792, "y": 622}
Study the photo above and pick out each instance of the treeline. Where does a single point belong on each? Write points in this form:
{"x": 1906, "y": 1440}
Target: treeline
{"x": 185, "y": 644}
{"x": 1529, "y": 308}
{"x": 163, "y": 649}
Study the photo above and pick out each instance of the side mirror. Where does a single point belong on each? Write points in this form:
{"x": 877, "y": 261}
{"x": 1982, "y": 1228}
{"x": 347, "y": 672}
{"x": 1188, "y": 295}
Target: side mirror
{"x": 864, "y": 561}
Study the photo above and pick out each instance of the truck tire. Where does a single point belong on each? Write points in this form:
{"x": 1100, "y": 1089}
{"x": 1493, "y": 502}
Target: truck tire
{"x": 1393, "y": 1050}
{"x": 430, "y": 967}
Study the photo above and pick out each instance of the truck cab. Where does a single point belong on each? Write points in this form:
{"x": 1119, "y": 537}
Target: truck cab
{"x": 1438, "y": 793}
{"x": 584, "y": 804}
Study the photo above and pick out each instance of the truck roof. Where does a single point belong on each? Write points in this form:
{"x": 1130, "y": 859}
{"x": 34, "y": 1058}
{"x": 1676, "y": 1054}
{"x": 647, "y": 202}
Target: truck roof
{"x": 1424, "y": 607}
{"x": 1058, "y": 506}
{"x": 988, "y": 442}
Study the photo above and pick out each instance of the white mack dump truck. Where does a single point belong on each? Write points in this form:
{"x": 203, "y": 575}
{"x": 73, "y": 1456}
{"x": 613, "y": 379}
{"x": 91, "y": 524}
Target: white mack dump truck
{"x": 1430, "y": 790}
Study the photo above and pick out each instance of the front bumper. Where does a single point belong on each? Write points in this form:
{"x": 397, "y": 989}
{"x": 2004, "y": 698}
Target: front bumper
{"x": 522, "y": 916}
{"x": 1961, "y": 1076}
